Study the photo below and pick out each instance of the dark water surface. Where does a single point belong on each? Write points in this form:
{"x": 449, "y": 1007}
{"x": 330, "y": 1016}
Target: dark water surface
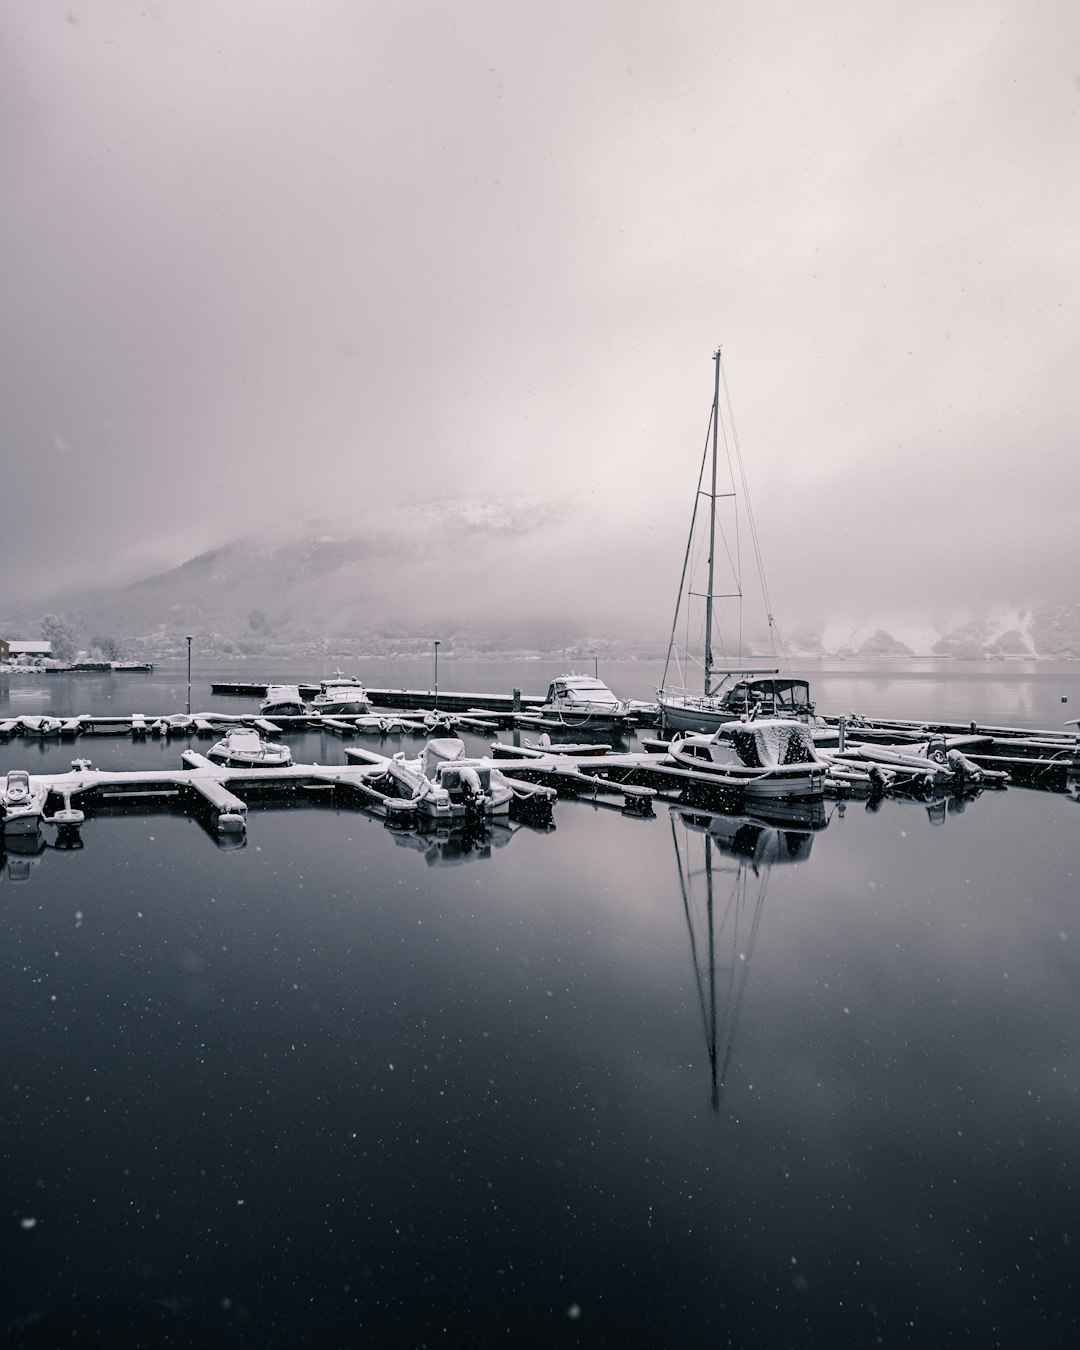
{"x": 678, "y": 1081}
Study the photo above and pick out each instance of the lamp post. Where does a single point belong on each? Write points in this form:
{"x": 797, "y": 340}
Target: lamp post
{"x": 436, "y": 673}
{"x": 189, "y": 673}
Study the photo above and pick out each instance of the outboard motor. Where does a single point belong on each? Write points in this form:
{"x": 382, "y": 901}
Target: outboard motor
{"x": 965, "y": 770}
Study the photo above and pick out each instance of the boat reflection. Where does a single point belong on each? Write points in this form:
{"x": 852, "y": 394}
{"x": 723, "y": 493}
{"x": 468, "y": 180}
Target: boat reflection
{"x": 21, "y": 853}
{"x": 723, "y": 863}
{"x": 469, "y": 841}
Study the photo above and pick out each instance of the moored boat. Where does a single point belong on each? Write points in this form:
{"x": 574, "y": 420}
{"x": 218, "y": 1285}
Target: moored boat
{"x": 283, "y": 700}
{"x": 22, "y": 801}
{"x": 735, "y": 697}
{"x": 584, "y": 701}
{"x": 241, "y": 746}
{"x": 724, "y": 695}
{"x": 475, "y": 786}
{"x": 336, "y": 699}
{"x": 41, "y": 726}
{"x": 765, "y": 758}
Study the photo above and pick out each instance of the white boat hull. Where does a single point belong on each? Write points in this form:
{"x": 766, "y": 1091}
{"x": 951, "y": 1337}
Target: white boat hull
{"x": 769, "y": 759}
{"x": 761, "y": 785}
{"x": 350, "y": 707}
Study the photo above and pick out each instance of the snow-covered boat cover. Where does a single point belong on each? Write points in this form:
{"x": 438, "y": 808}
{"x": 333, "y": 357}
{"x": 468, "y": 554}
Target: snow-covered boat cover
{"x": 771, "y": 742}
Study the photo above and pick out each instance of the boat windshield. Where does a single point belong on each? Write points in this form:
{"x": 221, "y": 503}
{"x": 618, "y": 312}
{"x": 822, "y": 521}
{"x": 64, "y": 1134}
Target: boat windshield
{"x": 777, "y": 697}
{"x": 584, "y": 691}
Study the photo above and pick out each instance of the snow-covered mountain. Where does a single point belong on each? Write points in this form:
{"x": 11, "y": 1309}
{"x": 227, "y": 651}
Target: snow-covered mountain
{"x": 1041, "y": 631}
{"x": 492, "y": 574}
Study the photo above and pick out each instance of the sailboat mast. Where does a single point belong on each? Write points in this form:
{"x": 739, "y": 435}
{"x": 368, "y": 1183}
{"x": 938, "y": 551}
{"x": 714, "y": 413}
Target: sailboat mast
{"x": 712, "y": 531}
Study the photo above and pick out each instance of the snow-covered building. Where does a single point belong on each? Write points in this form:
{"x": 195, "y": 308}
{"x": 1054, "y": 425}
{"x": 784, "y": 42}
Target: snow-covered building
{"x": 21, "y": 648}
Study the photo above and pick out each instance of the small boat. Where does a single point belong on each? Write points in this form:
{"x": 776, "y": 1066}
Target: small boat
{"x": 547, "y": 746}
{"x": 769, "y": 757}
{"x": 584, "y": 701}
{"x": 443, "y": 784}
{"x": 724, "y": 695}
{"x": 41, "y": 726}
{"x": 176, "y": 724}
{"x": 405, "y": 780}
{"x": 283, "y": 700}
{"x": 474, "y": 786}
{"x": 927, "y": 763}
{"x": 23, "y": 802}
{"x": 338, "y": 699}
{"x": 378, "y": 724}
{"x": 242, "y": 746}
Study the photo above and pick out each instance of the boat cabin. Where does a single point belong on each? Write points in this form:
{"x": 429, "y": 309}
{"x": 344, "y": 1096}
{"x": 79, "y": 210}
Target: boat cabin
{"x": 584, "y": 690}
{"x": 768, "y": 698}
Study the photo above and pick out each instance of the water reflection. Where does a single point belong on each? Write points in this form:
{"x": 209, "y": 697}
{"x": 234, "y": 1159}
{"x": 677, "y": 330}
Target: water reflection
{"x": 939, "y": 804}
{"x": 21, "y": 853}
{"x": 723, "y": 864}
{"x": 469, "y": 841}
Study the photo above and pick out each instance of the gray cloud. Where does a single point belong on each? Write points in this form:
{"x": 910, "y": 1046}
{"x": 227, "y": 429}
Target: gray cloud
{"x": 267, "y": 261}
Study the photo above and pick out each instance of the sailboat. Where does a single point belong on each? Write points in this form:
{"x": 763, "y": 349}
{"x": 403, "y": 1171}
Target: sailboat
{"x": 728, "y": 691}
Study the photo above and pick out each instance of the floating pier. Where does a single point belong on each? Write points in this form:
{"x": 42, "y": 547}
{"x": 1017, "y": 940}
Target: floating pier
{"x": 377, "y": 782}
{"x": 1044, "y": 759}
{"x": 425, "y": 722}
{"x": 481, "y": 705}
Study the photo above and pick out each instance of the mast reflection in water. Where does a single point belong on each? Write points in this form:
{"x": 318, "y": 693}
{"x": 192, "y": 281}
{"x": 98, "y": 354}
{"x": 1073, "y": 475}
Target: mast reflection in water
{"x": 723, "y": 865}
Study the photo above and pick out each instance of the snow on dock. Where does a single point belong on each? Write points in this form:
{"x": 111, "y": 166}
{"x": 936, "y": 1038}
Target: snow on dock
{"x": 201, "y": 778}
{"x": 411, "y": 700}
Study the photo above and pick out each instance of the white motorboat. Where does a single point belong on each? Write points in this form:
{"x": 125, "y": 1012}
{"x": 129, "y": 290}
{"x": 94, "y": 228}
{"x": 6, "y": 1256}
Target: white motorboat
{"x": 443, "y": 784}
{"x": 474, "y": 786}
{"x": 767, "y": 758}
{"x": 245, "y": 747}
{"x": 336, "y": 699}
{"x": 406, "y": 780}
{"x": 584, "y": 701}
{"x": 724, "y": 695}
{"x": 283, "y": 700}
{"x": 23, "y": 802}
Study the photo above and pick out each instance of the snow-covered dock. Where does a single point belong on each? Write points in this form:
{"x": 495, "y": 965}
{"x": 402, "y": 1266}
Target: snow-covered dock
{"x": 390, "y": 786}
{"x": 411, "y": 700}
{"x": 201, "y": 779}
{"x": 425, "y": 720}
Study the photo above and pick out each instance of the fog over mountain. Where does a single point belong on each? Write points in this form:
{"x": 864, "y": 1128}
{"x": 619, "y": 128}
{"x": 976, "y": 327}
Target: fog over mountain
{"x": 295, "y": 270}
{"x": 481, "y": 574}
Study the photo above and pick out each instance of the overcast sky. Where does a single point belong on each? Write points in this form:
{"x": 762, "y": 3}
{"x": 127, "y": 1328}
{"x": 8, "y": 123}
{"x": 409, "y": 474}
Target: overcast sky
{"x": 270, "y": 261}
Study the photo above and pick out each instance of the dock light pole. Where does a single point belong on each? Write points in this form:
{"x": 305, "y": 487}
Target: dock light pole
{"x": 189, "y": 674}
{"x": 436, "y": 673}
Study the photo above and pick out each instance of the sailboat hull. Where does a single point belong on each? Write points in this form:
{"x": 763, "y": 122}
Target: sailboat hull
{"x": 692, "y": 714}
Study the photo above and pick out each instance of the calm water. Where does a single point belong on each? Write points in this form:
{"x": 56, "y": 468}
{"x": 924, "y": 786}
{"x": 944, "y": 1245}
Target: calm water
{"x": 673, "y": 1081}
